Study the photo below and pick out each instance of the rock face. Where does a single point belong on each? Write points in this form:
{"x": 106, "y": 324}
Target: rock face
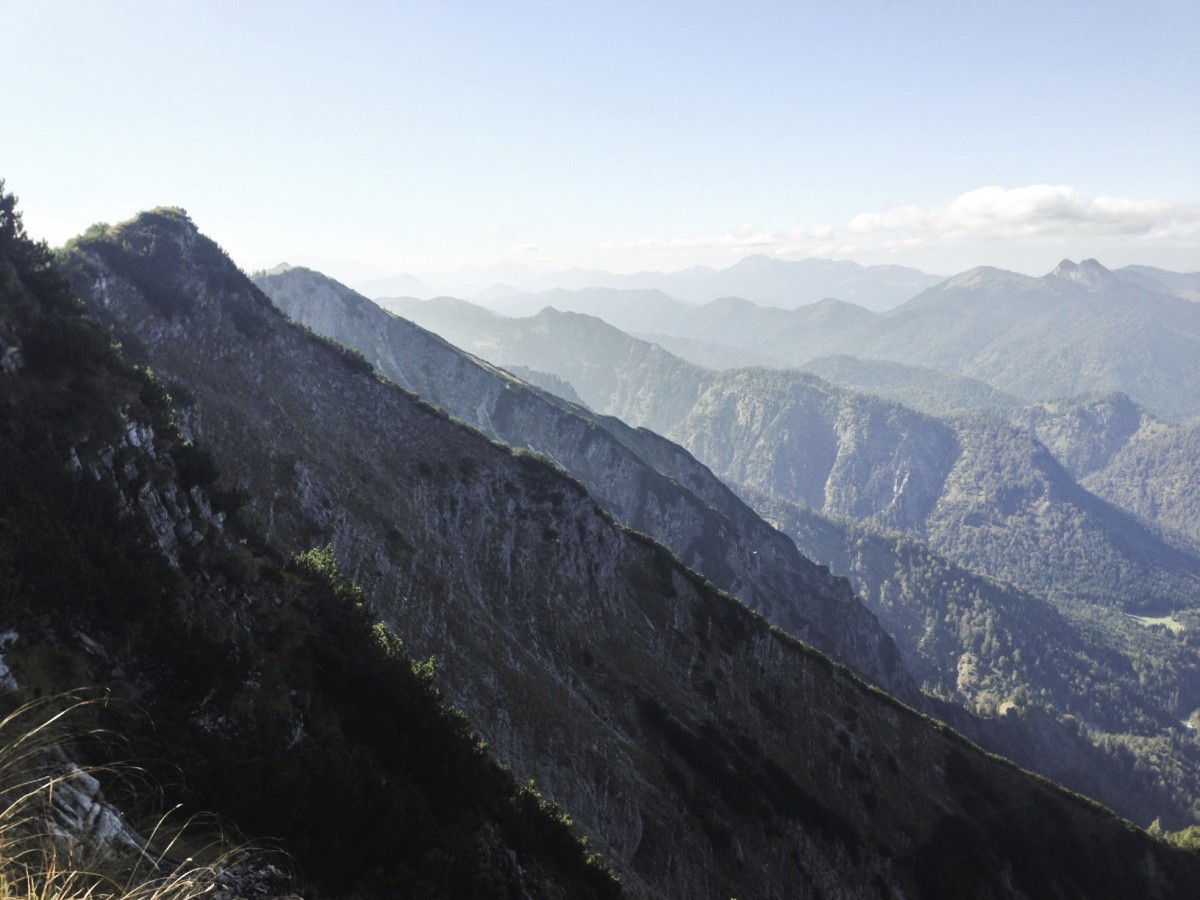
{"x": 647, "y": 483}
{"x": 80, "y": 816}
{"x": 708, "y": 754}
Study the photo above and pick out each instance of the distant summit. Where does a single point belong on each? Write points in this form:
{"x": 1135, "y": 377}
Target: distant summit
{"x": 973, "y": 282}
{"x": 1088, "y": 273}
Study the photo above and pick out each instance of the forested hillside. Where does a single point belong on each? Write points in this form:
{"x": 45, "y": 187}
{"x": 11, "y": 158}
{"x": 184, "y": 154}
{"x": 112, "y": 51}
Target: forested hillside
{"x": 1122, "y": 453}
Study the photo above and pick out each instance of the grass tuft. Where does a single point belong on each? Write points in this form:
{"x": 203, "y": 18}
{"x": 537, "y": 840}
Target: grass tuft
{"x": 60, "y": 841}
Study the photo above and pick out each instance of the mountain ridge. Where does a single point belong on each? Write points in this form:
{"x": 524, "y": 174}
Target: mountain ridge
{"x": 767, "y": 280}
{"x": 575, "y": 439}
{"x": 1038, "y": 339}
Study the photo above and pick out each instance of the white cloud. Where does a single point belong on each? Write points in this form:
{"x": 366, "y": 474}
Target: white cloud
{"x": 527, "y": 248}
{"x": 1027, "y": 229}
{"x": 995, "y": 213}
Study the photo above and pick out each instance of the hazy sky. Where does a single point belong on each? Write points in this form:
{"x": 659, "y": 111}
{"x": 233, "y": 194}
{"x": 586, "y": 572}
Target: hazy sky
{"x": 379, "y": 137}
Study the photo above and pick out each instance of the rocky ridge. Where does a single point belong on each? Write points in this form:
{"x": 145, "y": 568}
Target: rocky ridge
{"x": 646, "y": 482}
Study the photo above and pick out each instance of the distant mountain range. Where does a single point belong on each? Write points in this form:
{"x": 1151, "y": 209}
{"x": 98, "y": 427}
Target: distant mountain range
{"x": 1182, "y": 284}
{"x": 791, "y": 435}
{"x": 763, "y": 280}
{"x": 804, "y": 452}
{"x": 766, "y": 280}
{"x": 1080, "y": 329}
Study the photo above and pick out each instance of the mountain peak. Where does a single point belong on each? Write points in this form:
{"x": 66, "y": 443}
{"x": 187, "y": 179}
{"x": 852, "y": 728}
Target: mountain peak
{"x": 982, "y": 276}
{"x": 1088, "y": 273}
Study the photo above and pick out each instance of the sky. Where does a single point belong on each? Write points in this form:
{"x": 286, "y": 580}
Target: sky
{"x": 373, "y": 138}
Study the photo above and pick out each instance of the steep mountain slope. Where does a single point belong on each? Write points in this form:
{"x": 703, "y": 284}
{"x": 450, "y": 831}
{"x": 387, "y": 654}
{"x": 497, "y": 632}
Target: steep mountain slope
{"x": 244, "y": 685}
{"x": 1154, "y": 476}
{"x": 673, "y": 499}
{"x": 551, "y": 384}
{"x": 1010, "y": 510}
{"x": 1084, "y": 434}
{"x": 1095, "y": 706}
{"x": 1131, "y": 459}
{"x": 979, "y": 491}
{"x": 706, "y": 753}
{"x": 966, "y": 637}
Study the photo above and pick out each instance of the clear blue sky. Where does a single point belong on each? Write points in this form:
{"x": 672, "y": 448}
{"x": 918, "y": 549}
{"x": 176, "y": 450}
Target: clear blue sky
{"x": 380, "y": 137}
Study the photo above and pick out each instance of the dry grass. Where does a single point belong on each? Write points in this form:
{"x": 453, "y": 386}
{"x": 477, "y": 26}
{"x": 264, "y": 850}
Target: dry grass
{"x": 42, "y": 857}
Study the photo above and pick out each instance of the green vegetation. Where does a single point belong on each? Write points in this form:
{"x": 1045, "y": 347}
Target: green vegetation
{"x": 1009, "y": 510}
{"x": 163, "y": 256}
{"x": 1153, "y": 476}
{"x": 917, "y": 387}
{"x": 1118, "y": 688}
{"x": 1002, "y": 579}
